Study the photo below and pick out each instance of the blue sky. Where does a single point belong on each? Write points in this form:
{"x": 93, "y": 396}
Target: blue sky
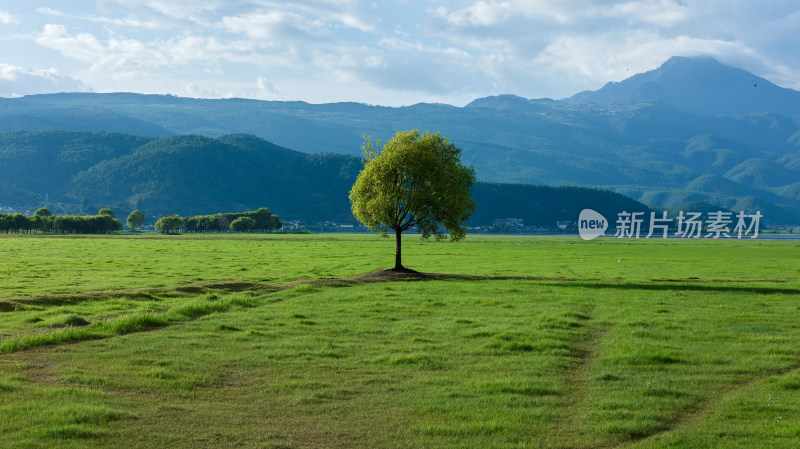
{"x": 391, "y": 53}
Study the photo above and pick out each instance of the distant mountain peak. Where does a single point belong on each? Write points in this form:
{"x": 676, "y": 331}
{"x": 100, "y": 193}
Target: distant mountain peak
{"x": 700, "y": 85}
{"x": 687, "y": 61}
{"x": 512, "y": 102}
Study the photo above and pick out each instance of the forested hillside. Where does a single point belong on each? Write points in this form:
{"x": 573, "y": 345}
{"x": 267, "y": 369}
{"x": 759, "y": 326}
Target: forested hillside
{"x": 193, "y": 175}
{"x": 545, "y": 205}
{"x": 35, "y": 166}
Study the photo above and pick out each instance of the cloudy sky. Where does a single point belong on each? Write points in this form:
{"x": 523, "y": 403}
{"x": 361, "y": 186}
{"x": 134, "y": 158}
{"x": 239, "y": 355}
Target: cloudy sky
{"x": 392, "y": 52}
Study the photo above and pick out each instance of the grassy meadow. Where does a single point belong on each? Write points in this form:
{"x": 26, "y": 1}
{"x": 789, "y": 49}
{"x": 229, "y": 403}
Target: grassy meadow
{"x": 281, "y": 341}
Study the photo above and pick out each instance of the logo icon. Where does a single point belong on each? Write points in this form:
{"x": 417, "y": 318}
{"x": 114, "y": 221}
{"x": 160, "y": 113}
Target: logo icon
{"x": 591, "y": 224}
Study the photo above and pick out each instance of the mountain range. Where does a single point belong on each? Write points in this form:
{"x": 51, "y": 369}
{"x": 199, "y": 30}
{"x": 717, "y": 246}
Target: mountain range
{"x": 692, "y": 130}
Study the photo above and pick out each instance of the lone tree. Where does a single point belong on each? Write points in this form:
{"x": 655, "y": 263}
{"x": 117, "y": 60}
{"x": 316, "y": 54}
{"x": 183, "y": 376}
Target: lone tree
{"x": 135, "y": 219}
{"x": 414, "y": 180}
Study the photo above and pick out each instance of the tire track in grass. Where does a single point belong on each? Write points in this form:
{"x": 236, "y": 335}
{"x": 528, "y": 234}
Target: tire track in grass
{"x": 580, "y": 436}
{"x": 127, "y": 324}
{"x": 144, "y": 321}
{"x": 185, "y": 312}
{"x": 21, "y": 303}
{"x": 707, "y": 408}
{"x": 571, "y": 429}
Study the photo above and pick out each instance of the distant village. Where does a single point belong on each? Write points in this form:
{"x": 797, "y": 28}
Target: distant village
{"x": 11, "y": 210}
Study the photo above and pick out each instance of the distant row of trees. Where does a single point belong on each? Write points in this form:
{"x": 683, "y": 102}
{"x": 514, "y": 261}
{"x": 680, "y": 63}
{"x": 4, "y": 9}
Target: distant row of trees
{"x": 45, "y": 222}
{"x": 105, "y": 222}
{"x": 261, "y": 220}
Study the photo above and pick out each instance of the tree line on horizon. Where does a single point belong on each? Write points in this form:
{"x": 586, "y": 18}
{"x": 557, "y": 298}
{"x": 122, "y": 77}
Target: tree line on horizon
{"x": 105, "y": 222}
{"x": 261, "y": 220}
{"x": 44, "y": 222}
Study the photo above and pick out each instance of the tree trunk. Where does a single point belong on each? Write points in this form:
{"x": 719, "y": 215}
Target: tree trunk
{"x": 398, "y": 265}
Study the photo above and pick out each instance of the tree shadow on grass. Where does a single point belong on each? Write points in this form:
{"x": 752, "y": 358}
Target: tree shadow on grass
{"x": 710, "y": 286}
{"x": 693, "y": 284}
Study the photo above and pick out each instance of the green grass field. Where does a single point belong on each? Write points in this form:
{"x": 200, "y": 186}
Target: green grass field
{"x": 282, "y": 342}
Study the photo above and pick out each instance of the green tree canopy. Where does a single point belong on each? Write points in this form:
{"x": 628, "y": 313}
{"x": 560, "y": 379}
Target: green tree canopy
{"x": 95, "y": 224}
{"x": 414, "y": 180}
{"x": 169, "y": 224}
{"x": 107, "y": 212}
{"x": 42, "y": 212}
{"x": 243, "y": 224}
{"x": 263, "y": 220}
{"x": 135, "y": 219}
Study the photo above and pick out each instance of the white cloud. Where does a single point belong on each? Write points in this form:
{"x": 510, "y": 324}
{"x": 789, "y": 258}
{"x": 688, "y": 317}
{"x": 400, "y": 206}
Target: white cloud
{"x": 7, "y": 19}
{"x": 184, "y": 9}
{"x": 494, "y": 13}
{"x": 301, "y": 22}
{"x": 359, "y": 14}
{"x": 664, "y": 13}
{"x": 274, "y": 26}
{"x": 406, "y": 65}
{"x": 124, "y": 58}
{"x": 190, "y": 10}
{"x": 556, "y": 48}
{"x": 587, "y": 60}
{"x": 195, "y": 91}
{"x": 84, "y": 46}
{"x": 130, "y": 22}
{"x": 265, "y": 90}
{"x": 264, "y": 85}
{"x": 480, "y": 13}
{"x": 50, "y": 12}
{"x": 16, "y": 81}
{"x": 443, "y": 49}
